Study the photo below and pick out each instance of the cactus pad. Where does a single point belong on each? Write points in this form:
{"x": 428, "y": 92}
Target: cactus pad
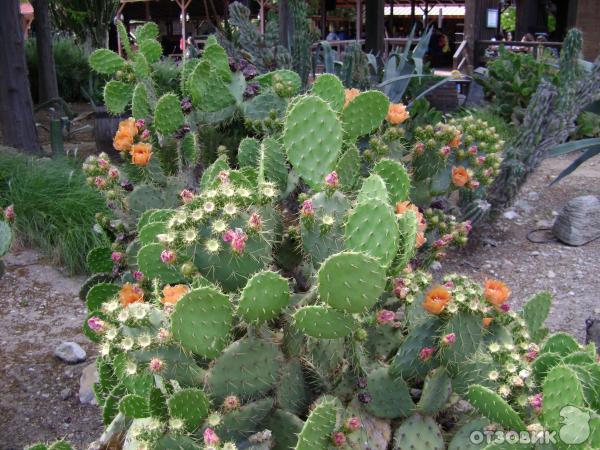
{"x": 272, "y": 165}
{"x": 247, "y": 368}
{"x": 242, "y": 422}
{"x": 201, "y": 321}
{"x": 217, "y": 57}
{"x": 190, "y": 405}
{"x": 365, "y": 113}
{"x": 117, "y": 96}
{"x": 390, "y": 398}
{"x": 208, "y": 90}
{"x": 264, "y": 297}
{"x": 285, "y": 427}
{"x": 468, "y": 330}
{"x": 418, "y": 433}
{"x": 151, "y": 266}
{"x": 106, "y": 61}
{"x": 462, "y": 439}
{"x": 561, "y": 343}
{"x": 317, "y": 430}
{"x": 143, "y": 198}
{"x": 407, "y": 225}
{"x": 151, "y": 49}
{"x": 373, "y": 188}
{"x": 372, "y": 228}
{"x": 436, "y": 391}
{"x": 168, "y": 116}
{"x": 351, "y": 282}
{"x": 148, "y": 233}
{"x": 323, "y": 323}
{"x": 313, "y": 139}
{"x": 396, "y": 179}
{"x": 330, "y": 88}
{"x": 140, "y": 104}
{"x": 494, "y": 407}
{"x": 292, "y": 392}
{"x": 248, "y": 152}
{"x": 99, "y": 259}
{"x": 99, "y": 294}
{"x": 134, "y": 406}
{"x": 348, "y": 168}
{"x": 561, "y": 388}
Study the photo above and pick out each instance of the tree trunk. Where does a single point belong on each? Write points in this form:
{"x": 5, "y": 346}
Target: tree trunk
{"x": 16, "y": 108}
{"x": 48, "y": 85}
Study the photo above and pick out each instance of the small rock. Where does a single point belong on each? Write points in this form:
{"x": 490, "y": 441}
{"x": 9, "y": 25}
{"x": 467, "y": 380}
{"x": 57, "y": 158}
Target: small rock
{"x": 70, "y": 352}
{"x": 544, "y": 223}
{"x": 65, "y": 394}
{"x": 579, "y": 221}
{"x": 524, "y": 206}
{"x": 89, "y": 376}
{"x": 510, "y": 215}
{"x": 436, "y": 265}
{"x": 551, "y": 274}
{"x": 533, "y": 196}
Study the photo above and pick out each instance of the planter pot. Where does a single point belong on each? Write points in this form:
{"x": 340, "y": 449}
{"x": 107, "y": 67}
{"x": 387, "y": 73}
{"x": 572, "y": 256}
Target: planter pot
{"x": 105, "y": 127}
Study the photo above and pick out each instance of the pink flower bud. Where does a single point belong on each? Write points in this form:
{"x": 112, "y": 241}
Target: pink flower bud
{"x": 231, "y": 403}
{"x": 113, "y": 173}
{"x": 116, "y": 257}
{"x": 449, "y": 339}
{"x": 307, "y": 209}
{"x": 228, "y": 236}
{"x": 536, "y": 401}
{"x": 384, "y": 316}
{"x": 473, "y": 150}
{"x": 332, "y": 179}
{"x": 473, "y": 184}
{"x": 100, "y": 182}
{"x": 156, "y": 365}
{"x": 426, "y": 353}
{"x": 338, "y": 438}
{"x": 531, "y": 355}
{"x": 9, "y": 213}
{"x": 505, "y": 307}
{"x": 224, "y": 177}
{"x": 140, "y": 123}
{"x": 449, "y": 284}
{"x": 467, "y": 226}
{"x": 238, "y": 244}
{"x": 210, "y": 437}
{"x": 480, "y": 160}
{"x": 445, "y": 151}
{"x": 96, "y": 324}
{"x": 102, "y": 163}
{"x": 419, "y": 148}
{"x": 439, "y": 243}
{"x": 137, "y": 275}
{"x": 145, "y": 134}
{"x": 255, "y": 222}
{"x": 353, "y": 424}
{"x": 168, "y": 256}
{"x": 186, "y": 196}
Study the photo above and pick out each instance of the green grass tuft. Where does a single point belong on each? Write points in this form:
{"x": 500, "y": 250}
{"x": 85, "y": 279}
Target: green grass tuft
{"x": 55, "y": 209}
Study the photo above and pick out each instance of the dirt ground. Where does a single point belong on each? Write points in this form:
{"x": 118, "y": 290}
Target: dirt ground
{"x": 39, "y": 308}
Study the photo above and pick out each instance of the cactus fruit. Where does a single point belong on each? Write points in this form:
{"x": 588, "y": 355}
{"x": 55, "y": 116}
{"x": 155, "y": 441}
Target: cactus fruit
{"x": 418, "y": 433}
{"x": 494, "y": 407}
{"x": 264, "y": 297}
{"x": 390, "y": 397}
{"x": 317, "y": 430}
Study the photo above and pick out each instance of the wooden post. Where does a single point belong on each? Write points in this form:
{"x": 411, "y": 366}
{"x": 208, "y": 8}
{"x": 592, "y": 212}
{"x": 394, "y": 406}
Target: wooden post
{"x": 183, "y": 5}
{"x": 358, "y": 19}
{"x": 324, "y": 18}
{"x": 412, "y": 13}
{"x": 375, "y": 27}
{"x": 262, "y": 16}
{"x": 470, "y": 32}
{"x": 284, "y": 24}
{"x": 117, "y": 14}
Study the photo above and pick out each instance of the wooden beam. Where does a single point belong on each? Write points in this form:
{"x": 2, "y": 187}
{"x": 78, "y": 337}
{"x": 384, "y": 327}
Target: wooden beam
{"x": 375, "y": 39}
{"x": 358, "y": 19}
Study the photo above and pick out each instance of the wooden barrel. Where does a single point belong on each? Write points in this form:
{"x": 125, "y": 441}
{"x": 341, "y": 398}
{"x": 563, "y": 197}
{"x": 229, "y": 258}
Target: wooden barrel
{"x": 105, "y": 127}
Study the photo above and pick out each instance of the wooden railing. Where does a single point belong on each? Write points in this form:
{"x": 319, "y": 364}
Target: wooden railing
{"x": 460, "y": 56}
{"x": 535, "y": 48}
{"x": 390, "y": 44}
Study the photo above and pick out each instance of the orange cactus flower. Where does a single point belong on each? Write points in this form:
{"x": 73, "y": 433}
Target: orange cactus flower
{"x": 496, "y": 292}
{"x": 436, "y": 299}
{"x": 460, "y": 176}
{"x": 141, "y": 153}
{"x": 172, "y": 294}
{"x": 456, "y": 140}
{"x": 421, "y": 239}
{"x": 130, "y": 293}
{"x": 350, "y": 94}
{"x": 486, "y": 321}
{"x": 397, "y": 113}
{"x": 123, "y": 139}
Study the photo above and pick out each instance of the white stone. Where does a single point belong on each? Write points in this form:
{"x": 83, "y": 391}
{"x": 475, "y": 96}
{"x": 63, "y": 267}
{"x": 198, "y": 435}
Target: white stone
{"x": 70, "y": 352}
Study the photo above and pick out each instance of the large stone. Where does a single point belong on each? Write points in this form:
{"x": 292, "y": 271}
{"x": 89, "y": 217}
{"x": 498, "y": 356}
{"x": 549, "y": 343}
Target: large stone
{"x": 579, "y": 221}
{"x": 70, "y": 352}
{"x": 89, "y": 376}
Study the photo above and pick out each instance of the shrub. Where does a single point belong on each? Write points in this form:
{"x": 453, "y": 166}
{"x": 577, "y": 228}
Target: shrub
{"x": 54, "y": 209}
{"x": 72, "y": 69}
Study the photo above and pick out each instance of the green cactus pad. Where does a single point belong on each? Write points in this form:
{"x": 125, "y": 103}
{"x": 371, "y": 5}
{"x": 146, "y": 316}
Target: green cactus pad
{"x": 418, "y": 433}
{"x": 323, "y": 323}
{"x": 217, "y": 57}
{"x": 157, "y": 404}
{"x": 313, "y": 139}
{"x": 494, "y": 407}
{"x": 351, "y": 282}
{"x": 382, "y": 341}
{"x": 208, "y": 90}
{"x": 201, "y": 321}
{"x": 348, "y": 168}
{"x": 408, "y": 226}
{"x": 462, "y": 439}
{"x": 143, "y": 198}
{"x": 103, "y": 277}
{"x": 390, "y": 397}
{"x": 189, "y": 148}
{"x": 99, "y": 259}
{"x": 561, "y": 343}
{"x": 242, "y": 423}
{"x": 284, "y": 82}
{"x": 117, "y": 96}
{"x": 436, "y": 392}
{"x": 468, "y": 330}
{"x": 179, "y": 365}
{"x": 543, "y": 363}
{"x": 248, "y": 152}
{"x": 272, "y": 165}
{"x": 148, "y": 233}
{"x": 99, "y": 294}
{"x": 579, "y": 359}
{"x": 168, "y": 116}
{"x": 264, "y": 297}
{"x": 175, "y": 442}
{"x": 134, "y": 406}
{"x": 190, "y": 405}
{"x": 111, "y": 404}
{"x": 372, "y": 228}
{"x": 406, "y": 362}
{"x": 106, "y": 61}
{"x": 151, "y": 266}
{"x": 5, "y": 238}
{"x": 211, "y": 173}
{"x": 284, "y": 427}
{"x": 140, "y": 104}
{"x": 330, "y": 88}
{"x": 396, "y": 179}
{"x": 247, "y": 368}
{"x": 151, "y": 49}
{"x": 365, "y": 113}
{"x": 536, "y": 310}
{"x": 149, "y": 30}
{"x": 261, "y": 106}
{"x": 373, "y": 188}
{"x": 292, "y": 392}
{"x": 561, "y": 388}
{"x": 317, "y": 430}
{"x": 141, "y": 68}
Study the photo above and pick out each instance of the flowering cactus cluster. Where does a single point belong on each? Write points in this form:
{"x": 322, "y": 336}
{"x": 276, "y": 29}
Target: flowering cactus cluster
{"x": 275, "y": 301}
